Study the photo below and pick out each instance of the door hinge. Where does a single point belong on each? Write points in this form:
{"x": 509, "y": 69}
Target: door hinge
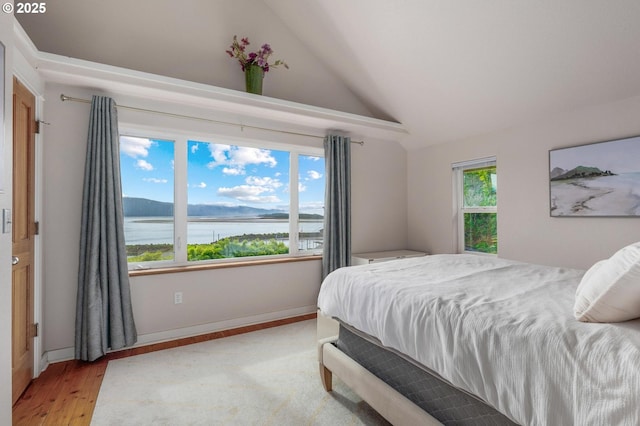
{"x": 36, "y": 127}
{"x": 36, "y": 228}
{"x": 35, "y": 330}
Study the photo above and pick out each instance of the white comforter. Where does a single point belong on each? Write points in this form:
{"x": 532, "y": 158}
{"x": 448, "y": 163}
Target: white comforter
{"x": 499, "y": 329}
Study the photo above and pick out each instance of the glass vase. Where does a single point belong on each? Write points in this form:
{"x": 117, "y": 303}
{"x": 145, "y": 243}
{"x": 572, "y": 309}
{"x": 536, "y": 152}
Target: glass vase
{"x": 254, "y": 75}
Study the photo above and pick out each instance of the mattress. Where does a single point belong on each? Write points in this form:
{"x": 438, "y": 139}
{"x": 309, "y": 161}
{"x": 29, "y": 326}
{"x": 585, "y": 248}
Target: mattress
{"x": 498, "y": 329}
{"x": 448, "y": 405}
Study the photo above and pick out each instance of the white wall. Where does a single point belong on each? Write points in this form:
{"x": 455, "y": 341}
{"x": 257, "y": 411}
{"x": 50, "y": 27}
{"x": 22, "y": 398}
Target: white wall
{"x": 221, "y": 296}
{"x": 143, "y": 42}
{"x": 228, "y": 296}
{"x": 526, "y": 232}
{"x": 379, "y": 196}
{"x": 6, "y": 38}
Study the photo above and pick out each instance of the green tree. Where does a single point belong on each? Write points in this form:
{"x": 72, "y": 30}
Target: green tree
{"x": 224, "y": 248}
{"x": 481, "y": 229}
{"x": 480, "y": 187}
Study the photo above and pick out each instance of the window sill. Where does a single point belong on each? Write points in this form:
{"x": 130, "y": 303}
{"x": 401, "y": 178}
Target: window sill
{"x": 208, "y": 266}
{"x": 480, "y": 253}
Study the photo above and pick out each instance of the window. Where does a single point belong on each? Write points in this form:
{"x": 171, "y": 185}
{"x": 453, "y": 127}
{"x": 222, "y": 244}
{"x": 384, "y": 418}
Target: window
{"x": 476, "y": 184}
{"x": 310, "y": 203}
{"x": 240, "y": 201}
{"x": 146, "y": 168}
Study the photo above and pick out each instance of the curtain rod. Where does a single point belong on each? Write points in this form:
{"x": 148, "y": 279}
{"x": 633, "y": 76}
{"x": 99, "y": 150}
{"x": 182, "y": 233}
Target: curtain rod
{"x": 64, "y": 97}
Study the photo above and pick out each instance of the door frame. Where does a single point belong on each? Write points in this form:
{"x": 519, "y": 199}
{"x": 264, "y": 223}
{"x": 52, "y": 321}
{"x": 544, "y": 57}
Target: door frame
{"x": 39, "y": 357}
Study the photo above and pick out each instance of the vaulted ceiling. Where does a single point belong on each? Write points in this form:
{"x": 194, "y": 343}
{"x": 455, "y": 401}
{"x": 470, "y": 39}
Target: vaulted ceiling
{"x": 446, "y": 69}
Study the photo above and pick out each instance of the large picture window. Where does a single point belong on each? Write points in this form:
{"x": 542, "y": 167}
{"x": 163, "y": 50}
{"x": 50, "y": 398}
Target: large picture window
{"x": 477, "y": 206}
{"x": 192, "y": 200}
{"x": 147, "y": 170}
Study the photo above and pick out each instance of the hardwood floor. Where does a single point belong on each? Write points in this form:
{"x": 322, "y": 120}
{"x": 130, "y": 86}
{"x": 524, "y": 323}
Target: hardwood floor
{"x": 66, "y": 392}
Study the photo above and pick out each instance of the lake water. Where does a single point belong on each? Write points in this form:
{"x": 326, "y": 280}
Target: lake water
{"x": 158, "y": 230}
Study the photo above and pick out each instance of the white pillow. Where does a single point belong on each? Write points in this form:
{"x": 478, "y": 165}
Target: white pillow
{"x": 610, "y": 290}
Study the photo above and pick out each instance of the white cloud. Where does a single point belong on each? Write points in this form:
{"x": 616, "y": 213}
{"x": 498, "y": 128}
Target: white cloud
{"x": 135, "y": 147}
{"x": 219, "y": 152}
{"x": 200, "y": 185}
{"x": 232, "y": 171}
{"x": 265, "y": 181}
{"x": 236, "y": 158}
{"x": 242, "y": 156}
{"x": 222, "y": 203}
{"x": 155, "y": 180}
{"x": 301, "y": 187}
{"x": 241, "y": 190}
{"x": 268, "y": 199}
{"x": 314, "y": 175}
{"x": 249, "y": 193}
{"x": 144, "y": 165}
{"x": 194, "y": 148}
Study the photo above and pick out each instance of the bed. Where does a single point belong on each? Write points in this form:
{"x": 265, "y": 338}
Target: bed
{"x": 500, "y": 333}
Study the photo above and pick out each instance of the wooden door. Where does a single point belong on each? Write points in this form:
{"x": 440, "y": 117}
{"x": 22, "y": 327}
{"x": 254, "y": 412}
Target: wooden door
{"x": 23, "y": 229}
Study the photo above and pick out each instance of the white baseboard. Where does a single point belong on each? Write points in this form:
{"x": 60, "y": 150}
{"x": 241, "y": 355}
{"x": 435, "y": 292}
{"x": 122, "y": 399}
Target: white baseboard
{"x": 58, "y": 355}
{"x": 44, "y": 363}
{"x": 67, "y": 354}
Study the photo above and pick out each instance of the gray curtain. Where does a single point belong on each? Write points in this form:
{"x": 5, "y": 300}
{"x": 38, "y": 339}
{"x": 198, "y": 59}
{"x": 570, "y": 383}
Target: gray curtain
{"x": 337, "y": 204}
{"x": 104, "y": 316}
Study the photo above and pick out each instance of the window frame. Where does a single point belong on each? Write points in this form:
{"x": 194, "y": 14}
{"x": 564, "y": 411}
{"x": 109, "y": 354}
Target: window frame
{"x": 180, "y": 139}
{"x": 459, "y": 209}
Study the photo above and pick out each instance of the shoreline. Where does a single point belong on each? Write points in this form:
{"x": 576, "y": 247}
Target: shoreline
{"x": 577, "y": 198}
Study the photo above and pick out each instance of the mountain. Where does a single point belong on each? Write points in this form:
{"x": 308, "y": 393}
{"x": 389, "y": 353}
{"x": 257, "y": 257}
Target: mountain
{"x": 145, "y": 207}
{"x": 557, "y": 171}
{"x": 207, "y": 210}
{"x": 142, "y": 207}
{"x": 581, "y": 172}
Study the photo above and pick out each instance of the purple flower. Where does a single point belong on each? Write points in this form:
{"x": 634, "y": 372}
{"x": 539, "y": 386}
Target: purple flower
{"x": 260, "y": 58}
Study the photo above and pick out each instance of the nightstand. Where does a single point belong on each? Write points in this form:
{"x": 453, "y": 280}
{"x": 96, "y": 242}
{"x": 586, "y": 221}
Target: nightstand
{"x": 383, "y": 256}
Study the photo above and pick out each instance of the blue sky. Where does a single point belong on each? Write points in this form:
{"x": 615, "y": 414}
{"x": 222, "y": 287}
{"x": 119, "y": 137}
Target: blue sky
{"x": 220, "y": 174}
{"x": 620, "y": 156}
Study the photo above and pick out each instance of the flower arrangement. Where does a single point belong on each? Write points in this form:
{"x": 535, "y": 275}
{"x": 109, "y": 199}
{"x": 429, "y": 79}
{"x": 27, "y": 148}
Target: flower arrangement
{"x": 259, "y": 58}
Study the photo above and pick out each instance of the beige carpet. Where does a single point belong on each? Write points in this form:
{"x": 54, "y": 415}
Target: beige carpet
{"x": 268, "y": 377}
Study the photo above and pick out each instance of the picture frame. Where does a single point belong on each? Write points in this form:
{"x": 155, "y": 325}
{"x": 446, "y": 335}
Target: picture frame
{"x": 600, "y": 179}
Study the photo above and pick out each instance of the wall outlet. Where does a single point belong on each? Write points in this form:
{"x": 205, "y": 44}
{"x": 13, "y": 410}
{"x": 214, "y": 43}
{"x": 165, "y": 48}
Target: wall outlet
{"x": 177, "y": 297}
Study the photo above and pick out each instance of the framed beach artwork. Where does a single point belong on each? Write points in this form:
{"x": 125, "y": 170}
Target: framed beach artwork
{"x": 598, "y": 179}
